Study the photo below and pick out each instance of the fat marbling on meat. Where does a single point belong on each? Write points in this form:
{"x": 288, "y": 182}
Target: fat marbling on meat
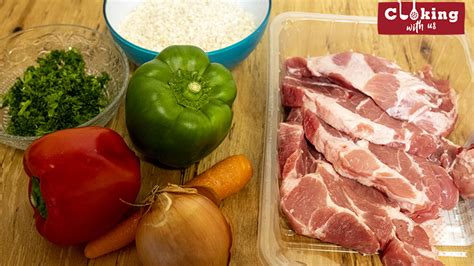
{"x": 358, "y": 116}
{"x": 427, "y": 103}
{"x": 363, "y": 157}
{"x": 421, "y": 188}
{"x": 322, "y": 204}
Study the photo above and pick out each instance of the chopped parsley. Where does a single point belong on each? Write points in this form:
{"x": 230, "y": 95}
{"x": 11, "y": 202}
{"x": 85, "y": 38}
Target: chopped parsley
{"x": 56, "y": 93}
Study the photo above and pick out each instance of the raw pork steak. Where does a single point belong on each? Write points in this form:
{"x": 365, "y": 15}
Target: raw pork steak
{"x": 463, "y": 173}
{"x": 324, "y": 205}
{"x": 360, "y": 117}
{"x": 419, "y": 187}
{"x": 363, "y": 158}
{"x": 428, "y": 103}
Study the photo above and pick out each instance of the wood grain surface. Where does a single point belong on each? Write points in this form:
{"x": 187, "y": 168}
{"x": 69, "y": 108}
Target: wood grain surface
{"x": 20, "y": 244}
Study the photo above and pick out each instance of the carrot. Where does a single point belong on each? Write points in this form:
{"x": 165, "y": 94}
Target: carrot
{"x": 118, "y": 237}
{"x": 208, "y": 193}
{"x": 226, "y": 177}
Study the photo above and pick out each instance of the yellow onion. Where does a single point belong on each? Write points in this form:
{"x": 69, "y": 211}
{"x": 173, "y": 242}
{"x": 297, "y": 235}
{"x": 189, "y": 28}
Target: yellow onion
{"x": 183, "y": 227}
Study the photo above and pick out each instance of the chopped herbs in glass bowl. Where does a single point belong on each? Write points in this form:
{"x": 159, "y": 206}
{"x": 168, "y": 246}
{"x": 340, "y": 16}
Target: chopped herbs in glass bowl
{"x": 55, "y": 94}
{"x": 55, "y": 77}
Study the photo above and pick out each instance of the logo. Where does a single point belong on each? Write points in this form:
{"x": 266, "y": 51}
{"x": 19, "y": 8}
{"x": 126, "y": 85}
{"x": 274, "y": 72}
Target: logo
{"x": 434, "y": 18}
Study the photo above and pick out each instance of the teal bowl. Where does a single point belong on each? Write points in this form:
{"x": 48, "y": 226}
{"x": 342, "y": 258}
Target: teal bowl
{"x": 116, "y": 10}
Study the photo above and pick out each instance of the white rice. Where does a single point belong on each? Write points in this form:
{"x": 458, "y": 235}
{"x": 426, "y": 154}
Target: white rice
{"x": 209, "y": 24}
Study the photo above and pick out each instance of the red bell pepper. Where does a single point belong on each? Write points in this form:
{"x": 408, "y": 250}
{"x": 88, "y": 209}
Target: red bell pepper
{"x": 79, "y": 179}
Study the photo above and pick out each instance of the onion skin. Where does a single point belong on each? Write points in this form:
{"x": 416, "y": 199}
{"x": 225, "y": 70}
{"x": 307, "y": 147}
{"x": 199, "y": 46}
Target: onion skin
{"x": 183, "y": 229}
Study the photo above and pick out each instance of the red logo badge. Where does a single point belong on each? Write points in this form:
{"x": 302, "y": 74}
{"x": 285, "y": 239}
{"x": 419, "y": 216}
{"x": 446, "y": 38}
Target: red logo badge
{"x": 438, "y": 18}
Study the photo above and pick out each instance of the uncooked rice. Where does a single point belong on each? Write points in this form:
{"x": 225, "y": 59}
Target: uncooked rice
{"x": 209, "y": 24}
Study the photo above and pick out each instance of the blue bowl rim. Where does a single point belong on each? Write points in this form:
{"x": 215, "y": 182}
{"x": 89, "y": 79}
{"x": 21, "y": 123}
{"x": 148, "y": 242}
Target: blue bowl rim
{"x": 210, "y": 53}
{"x": 102, "y": 36}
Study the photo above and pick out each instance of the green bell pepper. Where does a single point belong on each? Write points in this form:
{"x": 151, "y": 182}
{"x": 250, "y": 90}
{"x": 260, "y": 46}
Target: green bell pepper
{"x": 179, "y": 106}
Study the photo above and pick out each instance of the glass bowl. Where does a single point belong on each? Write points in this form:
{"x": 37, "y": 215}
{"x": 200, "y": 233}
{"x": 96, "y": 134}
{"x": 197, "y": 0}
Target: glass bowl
{"x": 100, "y": 53}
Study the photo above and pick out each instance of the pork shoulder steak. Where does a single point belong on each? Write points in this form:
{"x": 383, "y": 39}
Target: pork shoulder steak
{"x": 428, "y": 103}
{"x": 419, "y": 187}
{"x": 359, "y": 116}
{"x": 324, "y": 205}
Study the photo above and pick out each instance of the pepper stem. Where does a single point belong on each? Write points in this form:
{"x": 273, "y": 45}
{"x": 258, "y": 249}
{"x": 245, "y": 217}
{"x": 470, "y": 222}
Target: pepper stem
{"x": 190, "y": 89}
{"x": 194, "y": 86}
{"x": 36, "y": 198}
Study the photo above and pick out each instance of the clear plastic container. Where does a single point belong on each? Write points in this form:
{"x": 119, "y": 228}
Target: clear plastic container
{"x": 311, "y": 34}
